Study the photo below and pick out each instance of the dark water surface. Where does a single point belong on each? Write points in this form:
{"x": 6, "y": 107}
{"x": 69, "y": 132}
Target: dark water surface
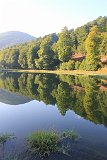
{"x": 31, "y": 102}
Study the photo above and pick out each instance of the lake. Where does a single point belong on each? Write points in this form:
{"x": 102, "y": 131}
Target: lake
{"x": 33, "y": 102}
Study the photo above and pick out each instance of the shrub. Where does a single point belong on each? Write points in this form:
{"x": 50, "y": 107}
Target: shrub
{"x": 90, "y": 63}
{"x": 70, "y": 65}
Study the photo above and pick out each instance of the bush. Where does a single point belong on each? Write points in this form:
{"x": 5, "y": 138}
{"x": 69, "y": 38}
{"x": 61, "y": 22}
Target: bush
{"x": 90, "y": 63}
{"x": 70, "y": 65}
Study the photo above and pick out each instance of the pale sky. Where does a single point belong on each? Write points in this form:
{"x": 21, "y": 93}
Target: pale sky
{"x": 41, "y": 17}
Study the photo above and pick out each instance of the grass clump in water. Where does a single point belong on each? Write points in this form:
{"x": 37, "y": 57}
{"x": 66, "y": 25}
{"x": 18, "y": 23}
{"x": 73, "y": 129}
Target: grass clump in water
{"x": 43, "y": 143}
{"x": 69, "y": 134}
{"x": 5, "y": 137}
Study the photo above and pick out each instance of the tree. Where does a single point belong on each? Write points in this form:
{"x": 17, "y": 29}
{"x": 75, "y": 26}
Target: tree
{"x": 64, "y": 45}
{"x": 103, "y": 46}
{"x": 102, "y": 23}
{"x": 13, "y": 58}
{"x": 74, "y": 42}
{"x": 81, "y": 35}
{"x": 63, "y": 97}
{"x": 23, "y": 58}
{"x": 30, "y": 58}
{"x": 33, "y": 53}
{"x": 47, "y": 58}
{"x": 92, "y": 44}
{"x": 93, "y": 41}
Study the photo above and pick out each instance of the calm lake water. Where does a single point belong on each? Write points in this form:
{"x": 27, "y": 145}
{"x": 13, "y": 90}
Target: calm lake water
{"x": 32, "y": 102}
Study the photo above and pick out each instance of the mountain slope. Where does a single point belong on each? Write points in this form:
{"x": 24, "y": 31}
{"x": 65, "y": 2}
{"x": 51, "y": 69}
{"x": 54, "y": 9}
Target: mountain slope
{"x": 12, "y": 98}
{"x": 14, "y": 37}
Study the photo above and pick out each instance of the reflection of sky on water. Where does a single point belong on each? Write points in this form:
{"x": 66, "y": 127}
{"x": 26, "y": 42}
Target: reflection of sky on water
{"x": 21, "y": 120}
{"x": 25, "y": 118}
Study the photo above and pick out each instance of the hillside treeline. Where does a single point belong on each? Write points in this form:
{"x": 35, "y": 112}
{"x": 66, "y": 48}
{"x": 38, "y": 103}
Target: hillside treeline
{"x": 56, "y": 51}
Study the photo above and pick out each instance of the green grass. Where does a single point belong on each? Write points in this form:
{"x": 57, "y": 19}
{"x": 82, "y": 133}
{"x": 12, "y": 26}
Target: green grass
{"x": 43, "y": 143}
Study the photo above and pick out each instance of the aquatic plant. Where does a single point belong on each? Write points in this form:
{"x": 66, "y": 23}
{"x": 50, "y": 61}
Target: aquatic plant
{"x": 69, "y": 134}
{"x": 5, "y": 137}
{"x": 44, "y": 143}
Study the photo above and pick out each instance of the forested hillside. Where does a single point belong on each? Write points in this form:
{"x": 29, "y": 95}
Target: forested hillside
{"x": 57, "y": 51}
{"x": 14, "y": 37}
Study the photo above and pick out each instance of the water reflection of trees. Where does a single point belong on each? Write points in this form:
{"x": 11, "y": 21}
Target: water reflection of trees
{"x": 79, "y": 93}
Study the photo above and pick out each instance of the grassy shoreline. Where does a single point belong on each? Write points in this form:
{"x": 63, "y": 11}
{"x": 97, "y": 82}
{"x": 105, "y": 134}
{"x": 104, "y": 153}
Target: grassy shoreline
{"x": 68, "y": 72}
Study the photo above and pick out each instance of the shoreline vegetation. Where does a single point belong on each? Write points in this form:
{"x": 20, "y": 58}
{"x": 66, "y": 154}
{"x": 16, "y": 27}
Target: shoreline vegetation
{"x": 67, "y": 72}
